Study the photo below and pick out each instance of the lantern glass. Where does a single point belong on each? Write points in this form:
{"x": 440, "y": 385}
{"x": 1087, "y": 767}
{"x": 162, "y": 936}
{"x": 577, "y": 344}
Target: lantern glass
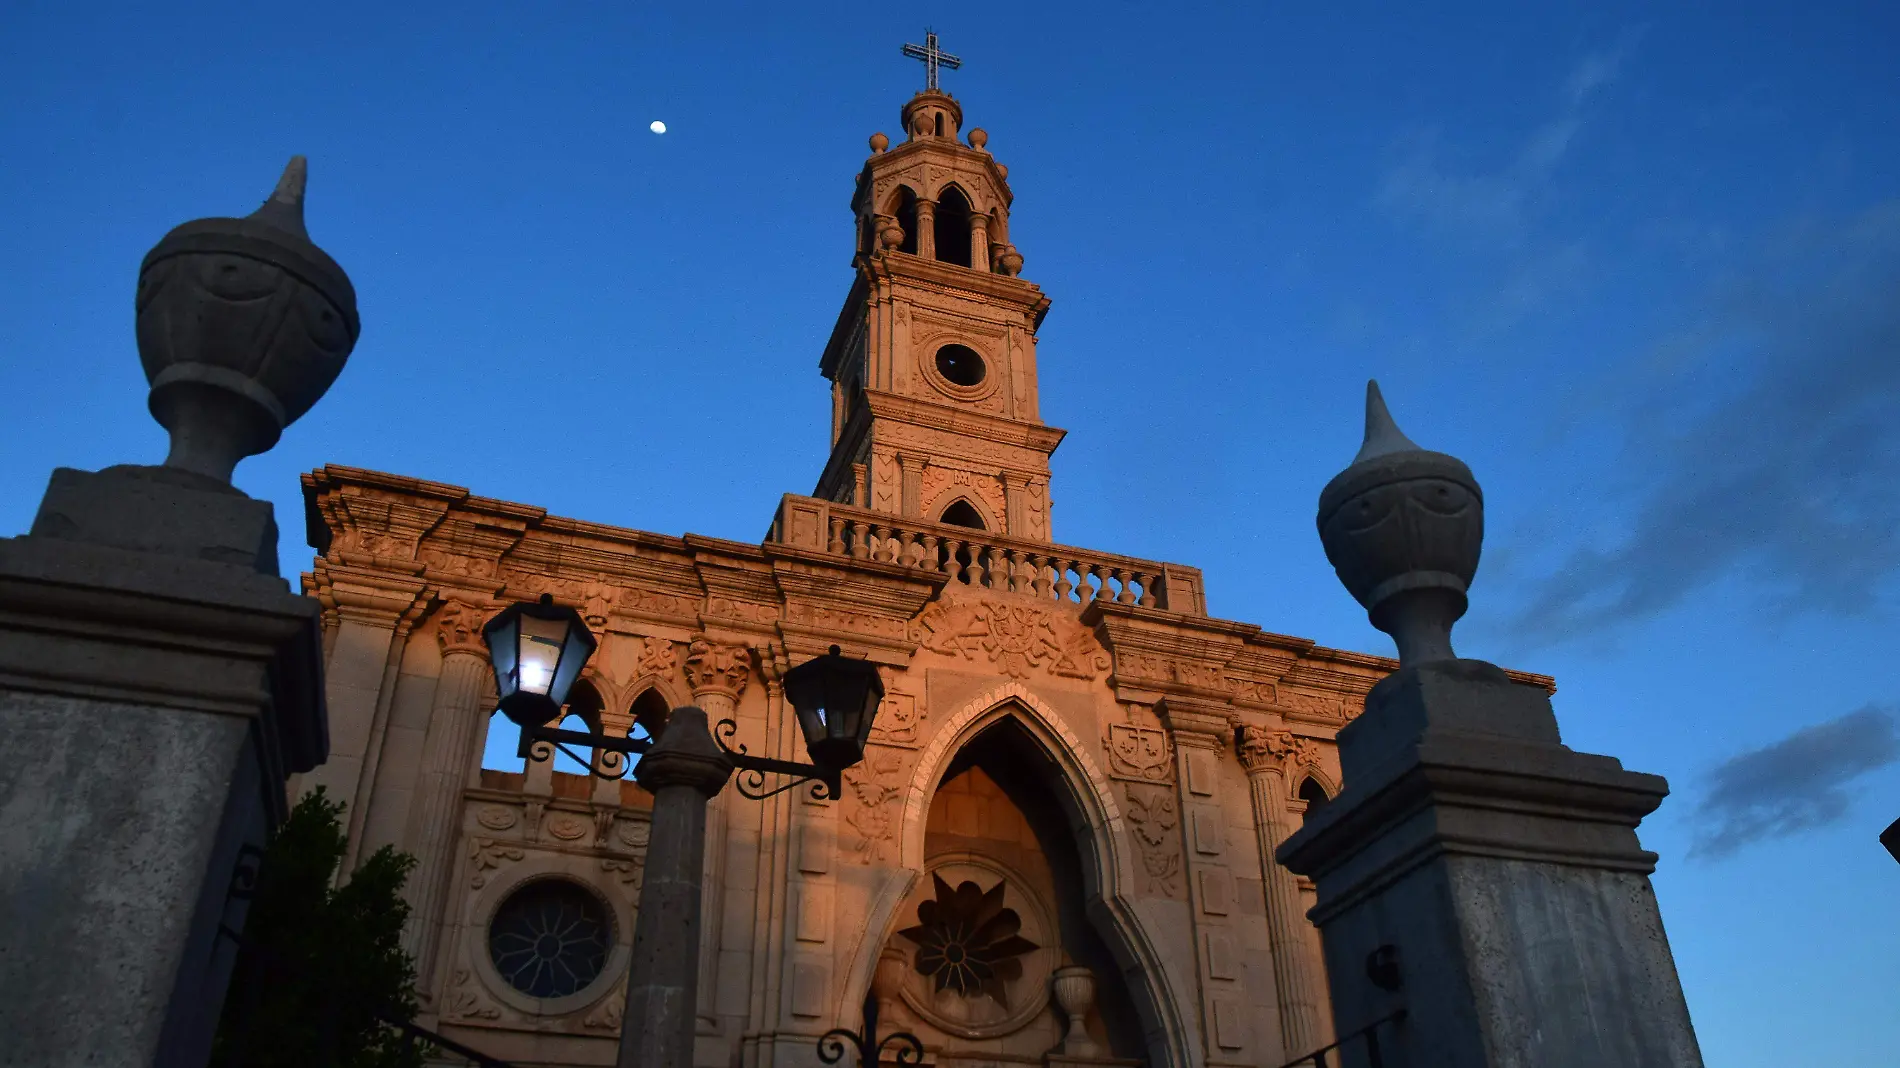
{"x": 538, "y": 651}
{"x": 836, "y": 698}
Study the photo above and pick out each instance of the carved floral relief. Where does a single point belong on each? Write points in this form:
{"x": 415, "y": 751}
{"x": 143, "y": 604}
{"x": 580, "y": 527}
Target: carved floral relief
{"x": 1153, "y": 815}
{"x": 1017, "y": 637}
{"x": 874, "y": 784}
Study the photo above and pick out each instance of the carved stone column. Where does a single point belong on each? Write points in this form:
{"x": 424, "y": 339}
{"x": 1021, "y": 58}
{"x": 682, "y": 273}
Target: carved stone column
{"x": 717, "y": 674}
{"x": 927, "y": 229}
{"x": 1016, "y": 505}
{"x": 1266, "y": 755}
{"x": 683, "y": 770}
{"x": 455, "y": 720}
{"x": 911, "y": 475}
{"x": 979, "y": 241}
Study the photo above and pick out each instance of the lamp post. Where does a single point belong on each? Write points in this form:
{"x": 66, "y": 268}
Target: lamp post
{"x": 538, "y": 650}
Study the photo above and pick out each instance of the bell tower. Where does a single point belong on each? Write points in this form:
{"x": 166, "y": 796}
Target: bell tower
{"x": 932, "y": 362}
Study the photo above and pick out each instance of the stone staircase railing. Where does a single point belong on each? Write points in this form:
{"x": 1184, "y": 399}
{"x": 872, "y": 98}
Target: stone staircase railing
{"x": 981, "y": 558}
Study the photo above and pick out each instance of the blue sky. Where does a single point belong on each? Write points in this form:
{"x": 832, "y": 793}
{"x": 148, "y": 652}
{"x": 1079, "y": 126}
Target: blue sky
{"x": 1635, "y": 263}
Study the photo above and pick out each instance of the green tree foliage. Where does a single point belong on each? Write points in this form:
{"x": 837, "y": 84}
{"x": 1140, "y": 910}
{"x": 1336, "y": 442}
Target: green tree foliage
{"x": 318, "y": 961}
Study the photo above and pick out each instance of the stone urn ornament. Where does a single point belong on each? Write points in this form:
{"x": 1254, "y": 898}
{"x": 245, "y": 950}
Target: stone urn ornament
{"x": 1074, "y": 989}
{"x": 242, "y": 326}
{"x": 1402, "y": 527}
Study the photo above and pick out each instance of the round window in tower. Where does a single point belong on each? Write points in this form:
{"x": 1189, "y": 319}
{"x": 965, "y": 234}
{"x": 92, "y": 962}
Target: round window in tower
{"x": 960, "y": 364}
{"x": 550, "y": 938}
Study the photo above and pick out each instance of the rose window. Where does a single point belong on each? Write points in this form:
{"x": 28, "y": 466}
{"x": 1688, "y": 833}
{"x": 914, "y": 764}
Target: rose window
{"x": 550, "y": 938}
{"x": 967, "y": 941}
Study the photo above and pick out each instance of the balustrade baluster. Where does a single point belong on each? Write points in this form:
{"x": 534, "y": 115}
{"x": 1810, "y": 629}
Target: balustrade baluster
{"x": 998, "y": 569}
{"x": 1034, "y": 565}
{"x": 860, "y": 539}
{"x": 929, "y": 561}
{"x": 1084, "y": 590}
{"x": 1062, "y": 578}
{"x": 1147, "y": 582}
{"x": 1127, "y": 593}
{"x": 906, "y": 548}
{"x": 884, "y": 549}
{"x": 836, "y": 545}
{"x": 951, "y": 547}
{"x": 973, "y": 573}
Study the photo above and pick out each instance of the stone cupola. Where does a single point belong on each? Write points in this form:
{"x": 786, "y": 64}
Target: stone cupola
{"x": 933, "y": 358}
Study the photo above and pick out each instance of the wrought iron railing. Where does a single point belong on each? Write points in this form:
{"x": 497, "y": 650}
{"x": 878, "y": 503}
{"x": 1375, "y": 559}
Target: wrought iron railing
{"x": 1369, "y": 1034}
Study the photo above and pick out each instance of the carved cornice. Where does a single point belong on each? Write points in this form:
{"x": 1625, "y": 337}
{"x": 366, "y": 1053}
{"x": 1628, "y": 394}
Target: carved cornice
{"x": 1263, "y": 750}
{"x": 1197, "y": 724}
{"x": 716, "y": 668}
{"x": 373, "y": 596}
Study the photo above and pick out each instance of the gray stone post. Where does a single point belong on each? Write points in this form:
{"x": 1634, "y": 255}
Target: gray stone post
{"x": 158, "y": 679}
{"x": 1265, "y": 753}
{"x": 683, "y": 770}
{"x": 1474, "y": 872}
{"x": 448, "y": 750}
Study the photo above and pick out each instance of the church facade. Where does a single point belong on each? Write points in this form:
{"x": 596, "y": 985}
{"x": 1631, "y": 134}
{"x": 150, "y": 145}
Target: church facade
{"x": 1058, "y": 848}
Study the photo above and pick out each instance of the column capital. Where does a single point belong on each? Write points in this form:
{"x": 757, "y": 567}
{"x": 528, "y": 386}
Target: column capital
{"x": 458, "y": 628}
{"x": 1263, "y": 749}
{"x": 715, "y": 668}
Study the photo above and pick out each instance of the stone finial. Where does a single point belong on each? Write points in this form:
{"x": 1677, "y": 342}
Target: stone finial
{"x": 1403, "y": 527}
{"x": 879, "y": 142}
{"x": 979, "y": 137}
{"x": 242, "y": 325}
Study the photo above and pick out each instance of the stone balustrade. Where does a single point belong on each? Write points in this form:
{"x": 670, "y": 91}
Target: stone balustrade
{"x": 981, "y": 558}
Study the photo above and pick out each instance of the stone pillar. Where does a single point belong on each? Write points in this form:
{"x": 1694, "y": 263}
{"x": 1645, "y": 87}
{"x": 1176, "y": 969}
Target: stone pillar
{"x": 682, "y": 770}
{"x": 927, "y": 228}
{"x": 158, "y": 679}
{"x": 717, "y": 674}
{"x": 1016, "y": 505}
{"x": 1266, "y": 755}
{"x": 455, "y": 724}
{"x": 910, "y": 472}
{"x": 1474, "y": 871}
{"x": 979, "y": 241}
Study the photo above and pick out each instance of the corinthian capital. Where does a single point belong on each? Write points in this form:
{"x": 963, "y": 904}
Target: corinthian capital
{"x": 1263, "y": 750}
{"x": 458, "y": 628}
{"x": 718, "y": 669}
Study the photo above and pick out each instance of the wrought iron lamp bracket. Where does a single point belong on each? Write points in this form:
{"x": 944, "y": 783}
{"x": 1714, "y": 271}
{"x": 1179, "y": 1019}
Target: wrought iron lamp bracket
{"x": 828, "y": 787}
{"x": 909, "y": 1048}
{"x": 539, "y": 743}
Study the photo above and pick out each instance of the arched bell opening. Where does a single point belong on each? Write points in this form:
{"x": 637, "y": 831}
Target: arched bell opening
{"x": 1314, "y": 795}
{"x": 903, "y": 207}
{"x": 962, "y": 513}
{"x": 952, "y": 227}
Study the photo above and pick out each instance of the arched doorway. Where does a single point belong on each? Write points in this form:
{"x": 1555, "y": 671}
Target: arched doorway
{"x": 1069, "y": 878}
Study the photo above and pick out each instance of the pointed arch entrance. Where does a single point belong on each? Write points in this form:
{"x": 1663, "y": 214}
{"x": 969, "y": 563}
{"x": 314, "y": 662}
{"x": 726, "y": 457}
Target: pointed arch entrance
{"x": 1009, "y": 741}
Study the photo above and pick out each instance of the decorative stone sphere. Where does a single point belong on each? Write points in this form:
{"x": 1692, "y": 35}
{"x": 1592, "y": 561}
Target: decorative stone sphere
{"x": 891, "y": 235}
{"x": 1002, "y": 172}
{"x": 242, "y": 326}
{"x": 1403, "y": 527}
{"x": 879, "y": 142}
{"x": 979, "y": 137}
{"x": 1011, "y": 261}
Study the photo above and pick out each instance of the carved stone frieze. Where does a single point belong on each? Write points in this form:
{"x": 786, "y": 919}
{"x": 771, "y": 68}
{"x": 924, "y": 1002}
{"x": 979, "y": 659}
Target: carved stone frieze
{"x": 939, "y": 479}
{"x": 486, "y": 855}
{"x": 458, "y": 628}
{"x": 497, "y": 817}
{"x": 1017, "y": 636}
{"x": 1153, "y": 816}
{"x": 447, "y": 562}
{"x": 875, "y": 785}
{"x": 824, "y": 617}
{"x": 1321, "y": 705}
{"x": 467, "y": 1001}
{"x": 656, "y": 603}
{"x": 743, "y": 610}
{"x": 658, "y": 657}
{"x": 566, "y": 826}
{"x": 712, "y": 667}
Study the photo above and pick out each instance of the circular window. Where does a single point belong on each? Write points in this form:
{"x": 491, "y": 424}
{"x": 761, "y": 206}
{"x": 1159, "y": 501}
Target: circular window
{"x": 550, "y": 938}
{"x": 960, "y": 364}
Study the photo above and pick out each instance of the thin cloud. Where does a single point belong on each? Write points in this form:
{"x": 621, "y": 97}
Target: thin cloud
{"x": 1760, "y": 443}
{"x": 1793, "y": 785}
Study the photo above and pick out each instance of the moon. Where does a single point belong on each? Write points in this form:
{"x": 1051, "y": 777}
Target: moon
{"x": 657, "y": 126}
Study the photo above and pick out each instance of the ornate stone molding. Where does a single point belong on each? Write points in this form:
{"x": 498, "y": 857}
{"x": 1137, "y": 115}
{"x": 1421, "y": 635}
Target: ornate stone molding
{"x": 658, "y": 658}
{"x": 714, "y": 668}
{"x": 458, "y": 628}
{"x": 1018, "y": 637}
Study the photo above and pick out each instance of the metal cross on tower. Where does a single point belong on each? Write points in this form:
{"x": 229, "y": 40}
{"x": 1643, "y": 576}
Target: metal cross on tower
{"x": 933, "y": 58}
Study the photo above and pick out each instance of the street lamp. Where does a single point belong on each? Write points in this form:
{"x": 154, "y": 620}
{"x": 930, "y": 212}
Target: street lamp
{"x": 539, "y": 648}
